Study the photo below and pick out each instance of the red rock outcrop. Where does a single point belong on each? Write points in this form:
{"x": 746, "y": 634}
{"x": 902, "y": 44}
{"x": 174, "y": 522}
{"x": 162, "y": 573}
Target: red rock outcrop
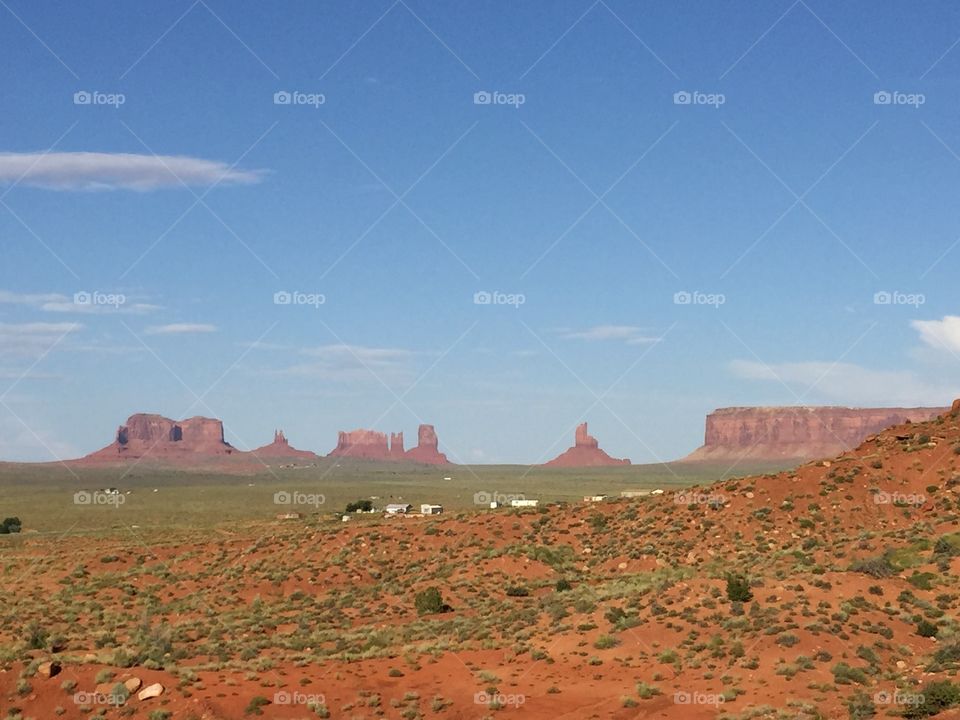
{"x": 801, "y": 433}
{"x": 373, "y": 445}
{"x": 362, "y": 444}
{"x": 155, "y": 436}
{"x": 585, "y": 452}
{"x": 281, "y": 448}
{"x": 427, "y": 450}
{"x": 396, "y": 445}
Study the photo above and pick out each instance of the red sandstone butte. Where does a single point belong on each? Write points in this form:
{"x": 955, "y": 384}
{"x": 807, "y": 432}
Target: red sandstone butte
{"x": 361, "y": 444}
{"x": 372, "y": 445}
{"x": 801, "y": 432}
{"x": 281, "y": 448}
{"x": 585, "y": 452}
{"x": 427, "y": 449}
{"x": 154, "y": 436}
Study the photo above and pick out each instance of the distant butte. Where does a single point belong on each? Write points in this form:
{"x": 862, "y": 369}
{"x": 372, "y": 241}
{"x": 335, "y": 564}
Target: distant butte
{"x": 796, "y": 433}
{"x": 373, "y": 445}
{"x": 281, "y": 448}
{"x": 585, "y": 452}
{"x": 154, "y": 436}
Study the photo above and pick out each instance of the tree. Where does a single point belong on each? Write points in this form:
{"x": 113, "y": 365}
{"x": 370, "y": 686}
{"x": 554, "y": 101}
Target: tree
{"x": 362, "y": 505}
{"x": 738, "y": 588}
{"x": 10, "y": 525}
{"x": 429, "y": 602}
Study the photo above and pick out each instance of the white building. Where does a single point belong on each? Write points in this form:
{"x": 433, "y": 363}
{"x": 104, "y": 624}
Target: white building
{"x": 427, "y": 509}
{"x": 397, "y": 509}
{"x": 524, "y": 503}
{"x": 594, "y": 498}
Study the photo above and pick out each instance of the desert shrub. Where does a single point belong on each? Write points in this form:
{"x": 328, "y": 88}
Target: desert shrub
{"x": 843, "y": 674}
{"x": 937, "y": 697}
{"x": 925, "y": 628}
{"x": 563, "y": 585}
{"x": 256, "y": 702}
{"x": 878, "y": 567}
{"x": 738, "y": 588}
{"x": 10, "y": 525}
{"x": 429, "y": 601}
{"x": 363, "y": 505}
{"x": 860, "y": 706}
{"x": 605, "y": 642}
{"x": 517, "y": 591}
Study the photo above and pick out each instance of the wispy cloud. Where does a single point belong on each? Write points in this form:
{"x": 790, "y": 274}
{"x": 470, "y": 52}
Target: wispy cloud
{"x": 60, "y": 303}
{"x": 32, "y": 338}
{"x": 116, "y": 171}
{"x": 180, "y": 329}
{"x": 849, "y": 384}
{"x": 940, "y": 334}
{"x": 630, "y": 334}
{"x": 353, "y": 362}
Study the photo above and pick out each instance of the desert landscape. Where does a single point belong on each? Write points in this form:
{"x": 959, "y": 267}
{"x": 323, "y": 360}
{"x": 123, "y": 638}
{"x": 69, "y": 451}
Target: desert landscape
{"x": 479, "y": 360}
{"x": 827, "y": 590}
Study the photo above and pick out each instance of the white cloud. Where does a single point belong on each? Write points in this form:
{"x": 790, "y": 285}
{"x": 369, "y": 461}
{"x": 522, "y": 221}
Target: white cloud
{"x": 33, "y": 338}
{"x": 850, "y": 384}
{"x": 353, "y": 362}
{"x": 630, "y": 334}
{"x": 940, "y": 334}
{"x": 60, "y": 303}
{"x": 113, "y": 171}
{"x": 180, "y": 329}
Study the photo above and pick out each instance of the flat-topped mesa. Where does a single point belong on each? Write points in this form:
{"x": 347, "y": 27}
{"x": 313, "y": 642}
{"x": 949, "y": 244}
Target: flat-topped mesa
{"x": 585, "y": 452}
{"x": 281, "y": 448}
{"x": 150, "y": 435}
{"x": 427, "y": 450}
{"x": 361, "y": 444}
{"x": 801, "y": 432}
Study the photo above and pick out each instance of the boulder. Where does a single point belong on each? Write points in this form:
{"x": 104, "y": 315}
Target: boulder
{"x": 48, "y": 669}
{"x": 150, "y": 691}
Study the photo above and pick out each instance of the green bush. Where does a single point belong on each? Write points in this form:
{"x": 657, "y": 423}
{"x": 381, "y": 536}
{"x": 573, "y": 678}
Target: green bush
{"x": 738, "y": 588}
{"x": 364, "y": 505}
{"x": 10, "y": 525}
{"x": 517, "y": 591}
{"x": 563, "y": 585}
{"x": 925, "y": 628}
{"x": 937, "y": 697}
{"x": 429, "y": 602}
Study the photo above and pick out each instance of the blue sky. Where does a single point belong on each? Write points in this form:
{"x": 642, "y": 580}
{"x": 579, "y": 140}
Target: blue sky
{"x": 588, "y": 194}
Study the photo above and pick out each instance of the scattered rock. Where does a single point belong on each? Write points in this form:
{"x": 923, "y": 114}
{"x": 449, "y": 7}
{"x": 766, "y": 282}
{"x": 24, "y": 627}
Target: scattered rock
{"x": 150, "y": 691}
{"x": 48, "y": 669}
{"x": 132, "y": 684}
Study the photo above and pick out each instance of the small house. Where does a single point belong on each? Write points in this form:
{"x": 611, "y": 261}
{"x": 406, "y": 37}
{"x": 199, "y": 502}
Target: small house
{"x": 594, "y": 498}
{"x": 494, "y": 504}
{"x": 524, "y": 503}
{"x": 397, "y": 509}
{"x": 427, "y": 509}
